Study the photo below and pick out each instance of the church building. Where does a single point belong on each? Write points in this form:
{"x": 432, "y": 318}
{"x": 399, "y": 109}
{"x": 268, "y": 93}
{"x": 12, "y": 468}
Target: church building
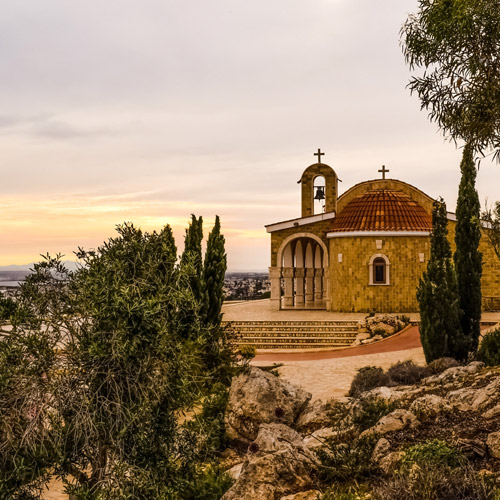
{"x": 363, "y": 251}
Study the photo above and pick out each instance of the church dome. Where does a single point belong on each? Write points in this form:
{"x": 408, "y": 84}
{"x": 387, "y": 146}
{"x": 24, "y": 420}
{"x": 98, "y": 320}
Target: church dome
{"x": 382, "y": 210}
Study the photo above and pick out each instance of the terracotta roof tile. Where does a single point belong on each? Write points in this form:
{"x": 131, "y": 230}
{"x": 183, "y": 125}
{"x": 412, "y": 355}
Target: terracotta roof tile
{"x": 382, "y": 210}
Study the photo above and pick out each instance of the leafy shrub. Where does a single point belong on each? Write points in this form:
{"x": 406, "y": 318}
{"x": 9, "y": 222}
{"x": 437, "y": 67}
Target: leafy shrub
{"x": 8, "y": 307}
{"x": 489, "y": 350}
{"x": 405, "y": 373}
{"x": 346, "y": 492}
{"x": 247, "y": 352}
{"x": 404, "y": 319}
{"x": 366, "y": 379}
{"x": 441, "y": 364}
{"x": 369, "y": 411}
{"x": 350, "y": 461}
{"x": 434, "y": 452}
{"x": 437, "y": 483}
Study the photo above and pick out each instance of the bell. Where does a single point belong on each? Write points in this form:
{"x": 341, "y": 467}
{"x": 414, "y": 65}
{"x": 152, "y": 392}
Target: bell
{"x": 320, "y": 194}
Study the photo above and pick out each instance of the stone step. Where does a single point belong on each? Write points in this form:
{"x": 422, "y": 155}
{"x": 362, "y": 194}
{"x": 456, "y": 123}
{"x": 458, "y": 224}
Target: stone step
{"x": 285, "y": 340}
{"x": 294, "y": 329}
{"x": 333, "y": 335}
{"x": 289, "y": 346}
{"x": 343, "y": 324}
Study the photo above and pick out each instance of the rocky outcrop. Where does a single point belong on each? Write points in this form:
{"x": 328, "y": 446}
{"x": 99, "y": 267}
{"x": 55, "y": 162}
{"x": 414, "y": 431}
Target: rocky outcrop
{"x": 257, "y": 398}
{"x": 395, "y": 421}
{"x": 284, "y": 431}
{"x": 278, "y": 463}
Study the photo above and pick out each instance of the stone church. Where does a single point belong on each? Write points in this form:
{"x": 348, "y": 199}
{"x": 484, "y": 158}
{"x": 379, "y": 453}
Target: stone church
{"x": 363, "y": 251}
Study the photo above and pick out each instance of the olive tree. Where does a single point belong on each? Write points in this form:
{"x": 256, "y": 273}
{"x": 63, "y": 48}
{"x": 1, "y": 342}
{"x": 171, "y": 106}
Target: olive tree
{"x": 98, "y": 370}
{"x": 457, "y": 44}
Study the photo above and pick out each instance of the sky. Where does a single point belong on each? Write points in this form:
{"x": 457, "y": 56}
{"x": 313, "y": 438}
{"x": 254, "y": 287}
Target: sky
{"x": 148, "y": 111}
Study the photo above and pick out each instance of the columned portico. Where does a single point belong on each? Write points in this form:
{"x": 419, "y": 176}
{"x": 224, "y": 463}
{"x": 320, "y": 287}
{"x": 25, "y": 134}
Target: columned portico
{"x": 299, "y": 280}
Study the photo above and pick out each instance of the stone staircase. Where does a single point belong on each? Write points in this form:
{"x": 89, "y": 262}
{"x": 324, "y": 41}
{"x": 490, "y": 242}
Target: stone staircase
{"x": 292, "y": 335}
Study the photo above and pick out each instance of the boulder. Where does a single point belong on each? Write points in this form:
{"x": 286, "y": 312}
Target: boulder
{"x": 235, "y": 471}
{"x": 278, "y": 463}
{"x": 429, "y": 406}
{"x": 389, "y": 463}
{"x": 317, "y": 438}
{"x": 315, "y": 416}
{"x": 258, "y": 397}
{"x": 493, "y": 443}
{"x": 461, "y": 399}
{"x": 487, "y": 395}
{"x": 381, "y": 450}
{"x": 305, "y": 495}
{"x": 492, "y": 412}
{"x": 394, "y": 421}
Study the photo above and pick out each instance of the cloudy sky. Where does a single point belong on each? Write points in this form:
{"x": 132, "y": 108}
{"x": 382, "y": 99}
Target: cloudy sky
{"x": 148, "y": 111}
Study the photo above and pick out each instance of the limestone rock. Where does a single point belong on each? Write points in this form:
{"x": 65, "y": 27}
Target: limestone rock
{"x": 305, "y": 495}
{"x": 315, "y": 416}
{"x": 385, "y": 393}
{"x": 394, "y": 421}
{"x": 461, "y": 399}
{"x": 278, "y": 463}
{"x": 429, "y": 406}
{"x": 235, "y": 471}
{"x": 487, "y": 395}
{"x": 389, "y": 463}
{"x": 492, "y": 412}
{"x": 381, "y": 450}
{"x": 493, "y": 443}
{"x": 258, "y": 397}
{"x": 317, "y": 438}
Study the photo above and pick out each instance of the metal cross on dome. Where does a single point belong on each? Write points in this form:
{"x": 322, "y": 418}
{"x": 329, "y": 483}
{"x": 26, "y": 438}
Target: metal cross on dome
{"x": 384, "y": 171}
{"x": 319, "y": 154}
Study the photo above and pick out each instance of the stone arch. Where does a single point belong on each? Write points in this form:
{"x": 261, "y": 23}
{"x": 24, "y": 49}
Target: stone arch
{"x": 302, "y": 261}
{"x": 331, "y": 188}
{"x": 303, "y": 235}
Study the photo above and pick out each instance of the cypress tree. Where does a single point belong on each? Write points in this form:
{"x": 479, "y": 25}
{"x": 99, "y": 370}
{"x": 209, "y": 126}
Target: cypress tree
{"x": 213, "y": 275}
{"x": 191, "y": 306}
{"x": 468, "y": 259}
{"x": 192, "y": 257}
{"x": 437, "y": 294}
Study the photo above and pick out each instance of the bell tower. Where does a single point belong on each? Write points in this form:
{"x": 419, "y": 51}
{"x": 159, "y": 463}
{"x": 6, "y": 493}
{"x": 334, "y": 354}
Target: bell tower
{"x": 310, "y": 192}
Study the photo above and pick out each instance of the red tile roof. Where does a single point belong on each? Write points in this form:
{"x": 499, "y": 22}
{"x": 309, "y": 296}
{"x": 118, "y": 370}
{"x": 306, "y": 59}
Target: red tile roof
{"x": 382, "y": 210}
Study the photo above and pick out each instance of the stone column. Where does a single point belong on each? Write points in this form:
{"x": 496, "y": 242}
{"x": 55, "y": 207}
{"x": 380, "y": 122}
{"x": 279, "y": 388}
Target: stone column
{"x": 309, "y": 285}
{"x": 288, "y": 295}
{"x": 299, "y": 280}
{"x": 275, "y": 278}
{"x": 318, "y": 284}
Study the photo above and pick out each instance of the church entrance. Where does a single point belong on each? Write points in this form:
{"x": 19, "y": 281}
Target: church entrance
{"x": 303, "y": 273}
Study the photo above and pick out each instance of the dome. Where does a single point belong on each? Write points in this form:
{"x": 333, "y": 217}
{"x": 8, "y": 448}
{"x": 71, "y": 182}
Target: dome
{"x": 382, "y": 210}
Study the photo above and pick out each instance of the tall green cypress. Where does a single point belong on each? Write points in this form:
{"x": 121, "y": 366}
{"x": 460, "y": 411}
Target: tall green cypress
{"x": 468, "y": 259}
{"x": 190, "y": 308}
{"x": 437, "y": 294}
{"x": 192, "y": 256}
{"x": 213, "y": 275}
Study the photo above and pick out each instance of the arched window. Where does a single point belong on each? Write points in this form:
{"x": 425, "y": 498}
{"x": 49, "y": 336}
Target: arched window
{"x": 379, "y": 270}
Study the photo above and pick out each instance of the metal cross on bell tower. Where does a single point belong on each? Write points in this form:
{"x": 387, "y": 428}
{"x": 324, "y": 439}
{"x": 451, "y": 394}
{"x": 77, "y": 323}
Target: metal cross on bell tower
{"x": 319, "y": 154}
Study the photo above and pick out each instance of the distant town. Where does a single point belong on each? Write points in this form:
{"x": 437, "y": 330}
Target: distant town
{"x": 237, "y": 285}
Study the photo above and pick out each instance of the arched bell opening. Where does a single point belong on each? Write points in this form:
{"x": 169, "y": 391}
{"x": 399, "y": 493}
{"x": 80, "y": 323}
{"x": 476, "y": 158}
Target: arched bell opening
{"x": 319, "y": 195}
{"x": 303, "y": 264}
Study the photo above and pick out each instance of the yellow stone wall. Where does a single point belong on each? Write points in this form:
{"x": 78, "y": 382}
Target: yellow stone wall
{"x": 349, "y": 280}
{"x": 490, "y": 281}
{"x": 349, "y": 288}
